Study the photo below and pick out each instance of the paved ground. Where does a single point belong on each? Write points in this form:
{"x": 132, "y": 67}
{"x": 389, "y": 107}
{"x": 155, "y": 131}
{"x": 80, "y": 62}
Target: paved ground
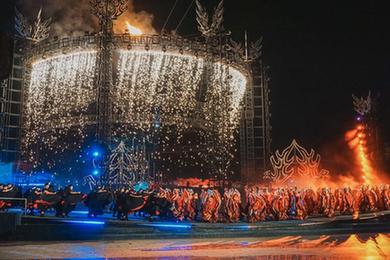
{"x": 368, "y": 246}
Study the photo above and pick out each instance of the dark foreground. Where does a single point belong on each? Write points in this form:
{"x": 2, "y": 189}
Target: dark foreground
{"x": 337, "y": 238}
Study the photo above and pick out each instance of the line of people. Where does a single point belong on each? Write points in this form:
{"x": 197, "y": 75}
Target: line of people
{"x": 253, "y": 204}
{"x": 62, "y": 201}
{"x": 258, "y": 204}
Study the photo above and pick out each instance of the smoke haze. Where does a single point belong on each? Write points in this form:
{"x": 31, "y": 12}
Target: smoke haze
{"x": 74, "y": 17}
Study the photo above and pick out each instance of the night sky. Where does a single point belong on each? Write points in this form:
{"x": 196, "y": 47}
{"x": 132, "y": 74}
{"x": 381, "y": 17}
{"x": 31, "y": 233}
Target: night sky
{"x": 319, "y": 53}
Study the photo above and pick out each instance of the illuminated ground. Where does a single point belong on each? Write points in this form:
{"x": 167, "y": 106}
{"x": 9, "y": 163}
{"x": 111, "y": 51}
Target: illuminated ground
{"x": 78, "y": 227}
{"x": 369, "y": 246}
{"x": 78, "y": 237}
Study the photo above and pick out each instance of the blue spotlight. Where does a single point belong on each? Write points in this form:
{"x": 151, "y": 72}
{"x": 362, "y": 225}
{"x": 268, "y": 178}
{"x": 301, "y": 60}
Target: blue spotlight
{"x": 95, "y": 172}
{"x": 161, "y": 225}
{"x": 95, "y": 154}
{"x": 86, "y": 222}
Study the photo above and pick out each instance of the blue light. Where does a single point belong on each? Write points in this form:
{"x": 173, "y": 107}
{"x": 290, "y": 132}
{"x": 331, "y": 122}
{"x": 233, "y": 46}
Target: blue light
{"x": 31, "y": 184}
{"x": 168, "y": 225}
{"x": 86, "y": 222}
{"x": 95, "y": 154}
{"x": 80, "y": 212}
{"x": 95, "y": 172}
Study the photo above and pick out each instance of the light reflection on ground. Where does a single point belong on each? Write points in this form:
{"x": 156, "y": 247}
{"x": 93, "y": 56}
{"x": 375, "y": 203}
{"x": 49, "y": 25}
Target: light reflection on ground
{"x": 292, "y": 247}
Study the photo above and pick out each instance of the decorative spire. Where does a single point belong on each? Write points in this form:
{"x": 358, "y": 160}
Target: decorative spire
{"x": 204, "y": 26}
{"x": 36, "y": 32}
{"x": 362, "y": 106}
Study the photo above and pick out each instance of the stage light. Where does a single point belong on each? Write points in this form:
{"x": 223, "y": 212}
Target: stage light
{"x": 86, "y": 222}
{"x": 95, "y": 154}
{"x": 95, "y": 172}
{"x": 161, "y": 225}
{"x": 31, "y": 184}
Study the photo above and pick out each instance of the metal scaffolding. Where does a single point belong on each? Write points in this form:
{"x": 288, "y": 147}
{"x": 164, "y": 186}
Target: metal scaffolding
{"x": 11, "y": 107}
{"x": 255, "y": 129}
{"x": 106, "y": 11}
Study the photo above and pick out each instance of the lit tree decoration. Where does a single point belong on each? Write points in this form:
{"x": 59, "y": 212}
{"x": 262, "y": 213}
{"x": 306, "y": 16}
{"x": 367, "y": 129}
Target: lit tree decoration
{"x": 204, "y": 26}
{"x": 127, "y": 166}
{"x": 90, "y": 181}
{"x": 36, "y": 32}
{"x": 295, "y": 162}
{"x": 362, "y": 106}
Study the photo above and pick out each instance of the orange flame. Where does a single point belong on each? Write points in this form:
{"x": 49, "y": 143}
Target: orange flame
{"x": 133, "y": 30}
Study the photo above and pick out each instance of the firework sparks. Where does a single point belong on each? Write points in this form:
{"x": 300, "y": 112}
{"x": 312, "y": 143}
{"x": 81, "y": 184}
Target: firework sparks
{"x": 151, "y": 88}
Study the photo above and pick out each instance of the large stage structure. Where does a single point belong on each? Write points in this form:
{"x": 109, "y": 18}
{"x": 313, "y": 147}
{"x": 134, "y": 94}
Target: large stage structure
{"x": 190, "y": 98}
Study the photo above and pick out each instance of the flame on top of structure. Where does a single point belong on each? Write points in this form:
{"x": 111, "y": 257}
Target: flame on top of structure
{"x": 133, "y": 30}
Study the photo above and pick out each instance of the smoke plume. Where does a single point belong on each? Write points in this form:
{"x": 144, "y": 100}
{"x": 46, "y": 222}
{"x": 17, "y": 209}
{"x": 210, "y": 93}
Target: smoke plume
{"x": 74, "y": 17}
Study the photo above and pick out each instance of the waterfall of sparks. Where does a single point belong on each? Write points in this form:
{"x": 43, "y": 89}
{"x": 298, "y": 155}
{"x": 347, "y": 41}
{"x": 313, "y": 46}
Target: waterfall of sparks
{"x": 356, "y": 139}
{"x": 150, "y": 87}
{"x": 168, "y": 83}
{"x": 59, "y": 97}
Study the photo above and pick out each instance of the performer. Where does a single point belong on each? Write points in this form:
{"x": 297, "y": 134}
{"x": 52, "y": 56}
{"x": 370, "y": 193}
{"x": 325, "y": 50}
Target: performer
{"x": 280, "y": 204}
{"x": 188, "y": 204}
{"x": 301, "y": 209}
{"x": 48, "y": 189}
{"x": 46, "y": 199}
{"x": 69, "y": 201}
{"x": 386, "y": 196}
{"x": 348, "y": 200}
{"x": 97, "y": 200}
{"x": 211, "y": 206}
{"x": 232, "y": 204}
{"x": 311, "y": 201}
{"x": 328, "y": 203}
{"x": 197, "y": 204}
{"x": 257, "y": 205}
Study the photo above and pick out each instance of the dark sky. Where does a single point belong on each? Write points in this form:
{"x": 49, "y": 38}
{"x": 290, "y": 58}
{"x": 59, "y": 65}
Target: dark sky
{"x": 319, "y": 53}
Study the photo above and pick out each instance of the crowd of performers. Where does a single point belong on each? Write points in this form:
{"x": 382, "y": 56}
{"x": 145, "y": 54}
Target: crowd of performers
{"x": 253, "y": 204}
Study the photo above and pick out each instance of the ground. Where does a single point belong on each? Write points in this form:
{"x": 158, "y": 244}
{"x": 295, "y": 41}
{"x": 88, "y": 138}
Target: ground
{"x": 316, "y": 238}
{"x": 332, "y": 247}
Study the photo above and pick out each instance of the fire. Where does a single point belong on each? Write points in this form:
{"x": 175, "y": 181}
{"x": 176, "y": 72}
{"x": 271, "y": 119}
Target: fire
{"x": 357, "y": 141}
{"x": 133, "y": 30}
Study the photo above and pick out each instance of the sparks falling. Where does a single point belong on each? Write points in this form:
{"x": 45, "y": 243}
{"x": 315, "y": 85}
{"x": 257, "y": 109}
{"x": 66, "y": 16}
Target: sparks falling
{"x": 153, "y": 91}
